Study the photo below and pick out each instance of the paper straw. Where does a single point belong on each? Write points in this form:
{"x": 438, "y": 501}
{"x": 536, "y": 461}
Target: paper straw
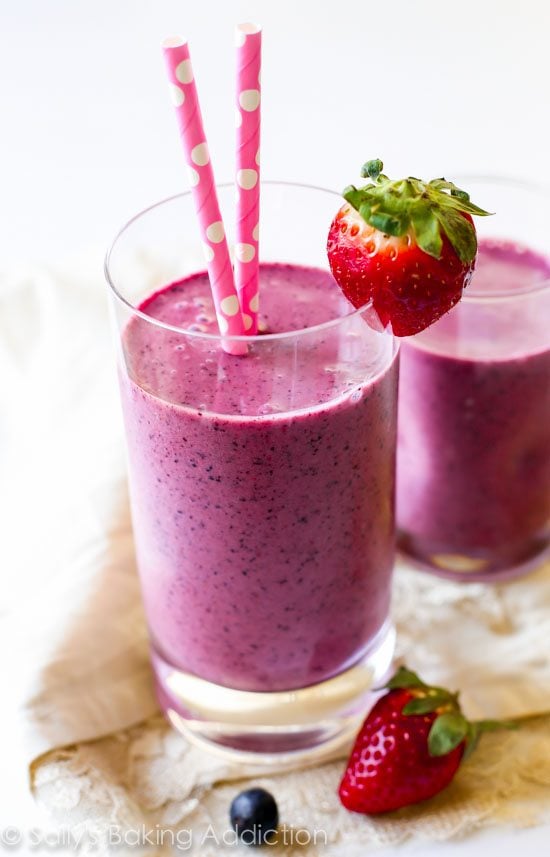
{"x": 201, "y": 178}
{"x": 249, "y": 52}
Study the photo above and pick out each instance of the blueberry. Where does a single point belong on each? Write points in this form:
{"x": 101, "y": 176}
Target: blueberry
{"x": 255, "y": 816}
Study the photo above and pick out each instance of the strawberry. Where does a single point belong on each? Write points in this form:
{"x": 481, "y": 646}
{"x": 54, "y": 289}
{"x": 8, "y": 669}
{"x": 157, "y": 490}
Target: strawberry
{"x": 407, "y": 246}
{"x": 409, "y": 747}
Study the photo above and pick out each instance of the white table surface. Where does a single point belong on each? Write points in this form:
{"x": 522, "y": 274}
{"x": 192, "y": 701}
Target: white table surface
{"x": 88, "y": 136}
{"x": 532, "y": 842}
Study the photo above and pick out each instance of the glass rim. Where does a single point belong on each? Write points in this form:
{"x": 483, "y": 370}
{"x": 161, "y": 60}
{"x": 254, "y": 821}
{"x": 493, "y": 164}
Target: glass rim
{"x": 219, "y": 337}
{"x": 524, "y": 184}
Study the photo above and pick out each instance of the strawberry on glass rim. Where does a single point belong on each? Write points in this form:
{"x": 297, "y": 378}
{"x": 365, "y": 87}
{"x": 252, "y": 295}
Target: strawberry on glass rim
{"x": 408, "y": 246}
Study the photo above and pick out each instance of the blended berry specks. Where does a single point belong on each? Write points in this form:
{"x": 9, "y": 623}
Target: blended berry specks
{"x": 269, "y": 567}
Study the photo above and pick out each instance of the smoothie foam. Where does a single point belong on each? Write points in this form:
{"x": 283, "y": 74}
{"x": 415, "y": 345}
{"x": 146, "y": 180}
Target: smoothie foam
{"x": 261, "y": 499}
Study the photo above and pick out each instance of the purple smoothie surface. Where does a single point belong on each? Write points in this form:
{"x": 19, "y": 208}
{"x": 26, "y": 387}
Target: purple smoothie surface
{"x": 261, "y": 486}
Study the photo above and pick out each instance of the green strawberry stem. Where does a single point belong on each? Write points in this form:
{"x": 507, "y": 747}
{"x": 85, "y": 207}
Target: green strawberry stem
{"x": 430, "y": 209}
{"x": 517, "y": 722}
{"x": 450, "y": 728}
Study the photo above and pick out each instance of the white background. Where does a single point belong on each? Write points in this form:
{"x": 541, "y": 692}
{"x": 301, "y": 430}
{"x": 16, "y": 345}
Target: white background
{"x": 88, "y": 137}
{"x": 434, "y": 87}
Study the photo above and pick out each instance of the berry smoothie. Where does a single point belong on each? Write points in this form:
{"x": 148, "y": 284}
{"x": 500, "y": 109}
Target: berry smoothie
{"x": 261, "y": 486}
{"x": 473, "y": 479}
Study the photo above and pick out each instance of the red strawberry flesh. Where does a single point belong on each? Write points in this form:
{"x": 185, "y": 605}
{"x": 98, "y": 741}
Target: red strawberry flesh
{"x": 407, "y": 247}
{"x": 390, "y": 766}
{"x": 408, "y": 289}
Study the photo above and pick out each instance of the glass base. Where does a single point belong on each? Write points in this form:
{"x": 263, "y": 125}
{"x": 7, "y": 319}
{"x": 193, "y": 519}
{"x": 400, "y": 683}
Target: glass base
{"x": 275, "y": 728}
{"x": 473, "y": 567}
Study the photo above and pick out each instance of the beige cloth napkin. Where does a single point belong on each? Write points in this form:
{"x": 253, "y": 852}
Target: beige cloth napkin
{"x": 71, "y": 625}
{"x": 73, "y": 642}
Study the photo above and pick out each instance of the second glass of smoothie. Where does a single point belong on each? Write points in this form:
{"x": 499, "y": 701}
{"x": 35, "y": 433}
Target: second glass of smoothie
{"x": 473, "y": 496}
{"x": 261, "y": 485}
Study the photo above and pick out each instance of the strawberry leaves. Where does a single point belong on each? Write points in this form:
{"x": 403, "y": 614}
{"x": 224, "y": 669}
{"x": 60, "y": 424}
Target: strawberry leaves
{"x": 460, "y": 233}
{"x": 372, "y": 169}
{"x": 426, "y": 229}
{"x": 426, "y": 704}
{"x": 404, "y": 678}
{"x": 447, "y": 732}
{"x": 428, "y": 209}
{"x": 450, "y": 728}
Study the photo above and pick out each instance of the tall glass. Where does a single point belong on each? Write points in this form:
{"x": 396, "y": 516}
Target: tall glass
{"x": 261, "y": 489}
{"x": 473, "y": 498}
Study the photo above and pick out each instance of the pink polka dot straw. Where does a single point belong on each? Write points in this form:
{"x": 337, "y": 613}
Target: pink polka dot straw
{"x": 201, "y": 177}
{"x": 249, "y": 48}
